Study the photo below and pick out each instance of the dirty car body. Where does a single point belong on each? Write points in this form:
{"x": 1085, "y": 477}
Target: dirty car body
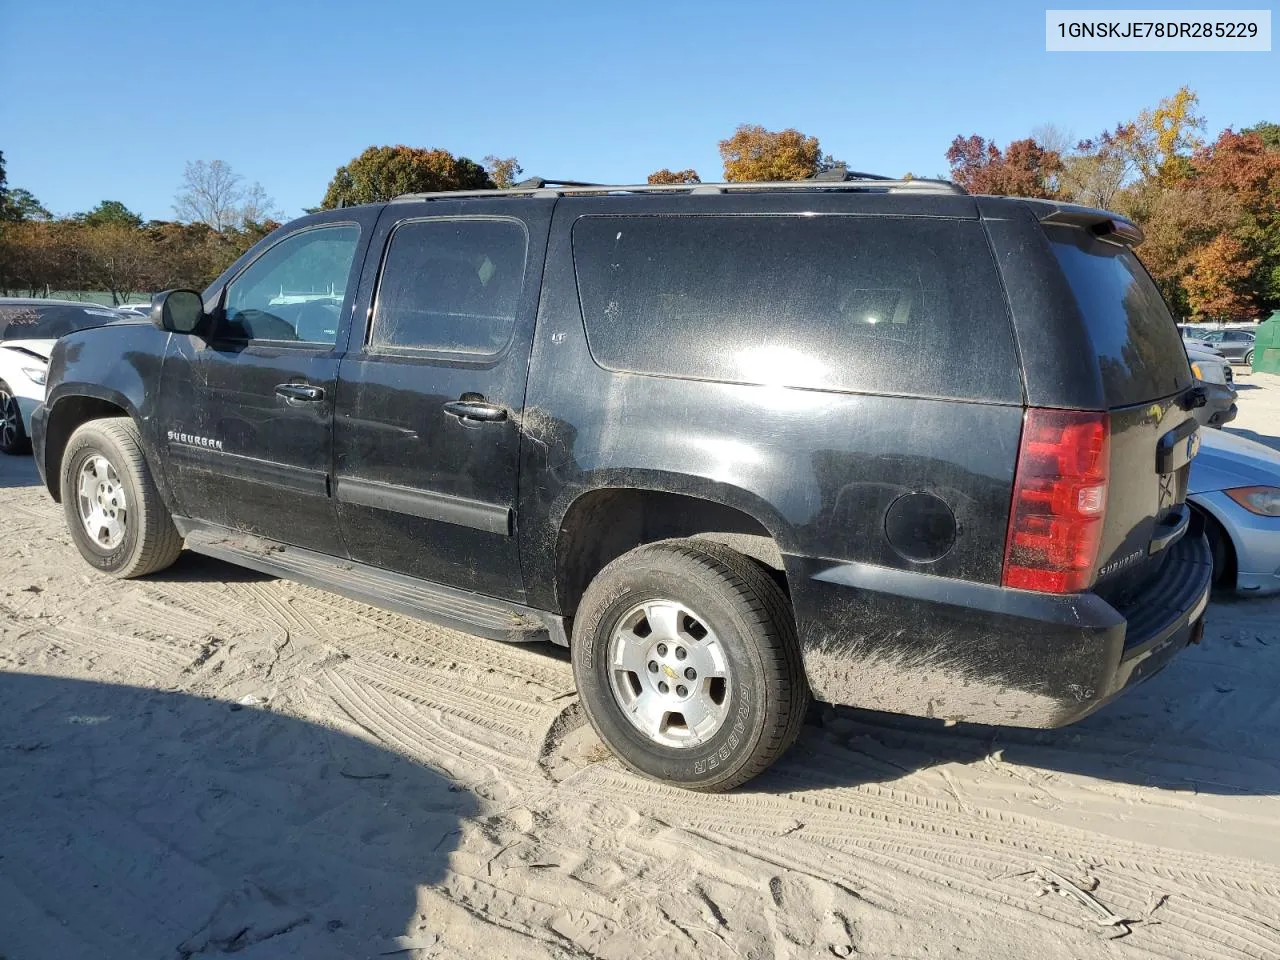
{"x": 631, "y": 367}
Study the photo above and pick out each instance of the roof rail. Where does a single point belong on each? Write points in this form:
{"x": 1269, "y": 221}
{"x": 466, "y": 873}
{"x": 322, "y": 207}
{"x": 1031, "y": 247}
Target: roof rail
{"x": 537, "y": 187}
{"x": 840, "y": 173}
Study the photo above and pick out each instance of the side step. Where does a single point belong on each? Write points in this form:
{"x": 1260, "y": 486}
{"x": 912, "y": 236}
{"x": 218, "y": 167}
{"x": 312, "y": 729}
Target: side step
{"x": 446, "y": 606}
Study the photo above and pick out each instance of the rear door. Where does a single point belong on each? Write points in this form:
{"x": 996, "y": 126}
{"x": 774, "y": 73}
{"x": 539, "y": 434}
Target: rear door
{"x": 1146, "y": 384}
{"x": 431, "y": 395}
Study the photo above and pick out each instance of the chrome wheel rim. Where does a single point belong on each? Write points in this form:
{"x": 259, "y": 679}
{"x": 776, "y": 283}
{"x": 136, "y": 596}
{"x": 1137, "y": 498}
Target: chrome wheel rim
{"x": 104, "y": 511}
{"x": 669, "y": 674}
{"x": 10, "y": 420}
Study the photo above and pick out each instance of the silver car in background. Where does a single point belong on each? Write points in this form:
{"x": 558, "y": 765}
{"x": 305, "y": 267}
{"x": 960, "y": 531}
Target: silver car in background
{"x": 1235, "y": 487}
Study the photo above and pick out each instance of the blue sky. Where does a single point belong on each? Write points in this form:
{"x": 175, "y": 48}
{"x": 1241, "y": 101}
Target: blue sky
{"x": 107, "y": 100}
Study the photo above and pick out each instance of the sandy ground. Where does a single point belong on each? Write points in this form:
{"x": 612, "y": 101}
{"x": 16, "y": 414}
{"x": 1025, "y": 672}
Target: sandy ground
{"x": 210, "y": 762}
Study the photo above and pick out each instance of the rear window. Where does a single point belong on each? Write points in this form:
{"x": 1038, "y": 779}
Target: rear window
{"x": 1134, "y": 335}
{"x": 21, "y": 321}
{"x": 899, "y": 306}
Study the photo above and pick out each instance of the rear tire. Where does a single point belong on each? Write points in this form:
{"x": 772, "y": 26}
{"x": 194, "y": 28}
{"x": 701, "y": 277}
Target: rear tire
{"x": 1248, "y": 359}
{"x": 112, "y": 506}
{"x": 712, "y": 609}
{"x": 13, "y": 436}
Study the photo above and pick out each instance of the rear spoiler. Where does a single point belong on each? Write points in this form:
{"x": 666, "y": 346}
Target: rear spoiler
{"x": 1103, "y": 224}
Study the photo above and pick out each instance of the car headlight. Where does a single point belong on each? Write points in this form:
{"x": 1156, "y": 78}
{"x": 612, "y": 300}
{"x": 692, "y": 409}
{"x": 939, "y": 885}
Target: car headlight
{"x": 36, "y": 374}
{"x": 1264, "y": 501}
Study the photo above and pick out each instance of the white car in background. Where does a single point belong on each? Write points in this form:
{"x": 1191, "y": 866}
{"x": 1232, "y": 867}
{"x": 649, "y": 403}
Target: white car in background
{"x": 28, "y": 330}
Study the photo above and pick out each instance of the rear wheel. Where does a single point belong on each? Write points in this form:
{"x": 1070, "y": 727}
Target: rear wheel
{"x": 112, "y": 506}
{"x": 13, "y": 436}
{"x": 1248, "y": 359}
{"x": 686, "y": 659}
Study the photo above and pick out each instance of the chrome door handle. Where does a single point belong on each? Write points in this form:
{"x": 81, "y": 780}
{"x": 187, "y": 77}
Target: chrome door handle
{"x": 299, "y": 392}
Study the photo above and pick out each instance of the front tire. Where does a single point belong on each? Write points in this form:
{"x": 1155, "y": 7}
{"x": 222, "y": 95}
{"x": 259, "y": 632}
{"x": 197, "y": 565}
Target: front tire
{"x": 112, "y": 506}
{"x": 686, "y": 659}
{"x": 13, "y": 436}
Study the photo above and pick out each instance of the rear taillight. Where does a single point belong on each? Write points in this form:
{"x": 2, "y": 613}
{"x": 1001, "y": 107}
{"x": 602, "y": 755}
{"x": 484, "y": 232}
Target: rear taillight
{"x": 1059, "y": 501}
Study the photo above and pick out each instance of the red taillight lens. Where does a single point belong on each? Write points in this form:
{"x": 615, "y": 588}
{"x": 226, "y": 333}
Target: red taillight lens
{"x": 1059, "y": 501}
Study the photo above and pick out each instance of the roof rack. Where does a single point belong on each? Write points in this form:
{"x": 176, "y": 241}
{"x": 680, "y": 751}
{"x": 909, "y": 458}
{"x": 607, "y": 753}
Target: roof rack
{"x": 850, "y": 181}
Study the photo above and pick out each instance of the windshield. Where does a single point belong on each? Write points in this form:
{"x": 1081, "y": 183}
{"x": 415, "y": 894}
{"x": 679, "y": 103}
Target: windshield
{"x": 30, "y": 321}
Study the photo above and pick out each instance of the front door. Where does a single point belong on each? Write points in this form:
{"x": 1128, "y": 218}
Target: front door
{"x": 249, "y": 412}
{"x": 427, "y": 424}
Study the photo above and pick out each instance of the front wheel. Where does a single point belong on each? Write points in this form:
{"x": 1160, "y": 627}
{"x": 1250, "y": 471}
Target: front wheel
{"x": 112, "y": 506}
{"x": 13, "y": 436}
{"x": 686, "y": 659}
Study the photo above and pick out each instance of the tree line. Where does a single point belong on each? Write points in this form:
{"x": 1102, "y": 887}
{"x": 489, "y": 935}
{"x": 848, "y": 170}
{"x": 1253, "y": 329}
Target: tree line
{"x": 1210, "y": 207}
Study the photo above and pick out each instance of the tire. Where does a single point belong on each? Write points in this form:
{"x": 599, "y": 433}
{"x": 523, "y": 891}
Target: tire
{"x": 13, "y": 436}
{"x": 717, "y": 599}
{"x": 1224, "y": 553}
{"x": 135, "y": 535}
{"x": 1248, "y": 359}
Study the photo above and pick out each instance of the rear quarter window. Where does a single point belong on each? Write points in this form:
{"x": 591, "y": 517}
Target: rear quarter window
{"x": 889, "y": 305}
{"x": 1138, "y": 345}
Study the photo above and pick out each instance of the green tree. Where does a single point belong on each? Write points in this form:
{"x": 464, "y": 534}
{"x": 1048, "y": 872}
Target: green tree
{"x": 22, "y": 205}
{"x": 381, "y": 173}
{"x": 110, "y": 213}
{"x": 755, "y": 154}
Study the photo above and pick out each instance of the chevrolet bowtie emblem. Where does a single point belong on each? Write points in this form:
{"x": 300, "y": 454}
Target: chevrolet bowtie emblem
{"x": 669, "y": 672}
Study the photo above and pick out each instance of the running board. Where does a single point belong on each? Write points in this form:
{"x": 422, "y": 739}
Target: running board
{"x": 445, "y": 606}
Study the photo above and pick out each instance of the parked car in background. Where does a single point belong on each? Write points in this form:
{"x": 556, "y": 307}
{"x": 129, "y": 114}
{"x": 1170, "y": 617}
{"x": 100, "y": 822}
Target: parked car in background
{"x": 134, "y": 310}
{"x": 1214, "y": 375}
{"x": 1235, "y": 345}
{"x": 1195, "y": 343}
{"x": 28, "y": 330}
{"x": 1235, "y": 487}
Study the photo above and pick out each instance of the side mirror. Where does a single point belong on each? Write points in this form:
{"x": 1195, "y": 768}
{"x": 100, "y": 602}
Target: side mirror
{"x": 178, "y": 311}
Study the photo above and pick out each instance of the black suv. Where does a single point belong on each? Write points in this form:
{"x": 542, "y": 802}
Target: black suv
{"x": 882, "y": 442}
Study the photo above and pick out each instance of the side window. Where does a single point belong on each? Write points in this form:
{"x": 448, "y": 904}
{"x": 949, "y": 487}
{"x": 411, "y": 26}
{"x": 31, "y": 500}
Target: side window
{"x": 905, "y": 306}
{"x": 295, "y": 290}
{"x": 1213, "y": 336}
{"x": 450, "y": 286}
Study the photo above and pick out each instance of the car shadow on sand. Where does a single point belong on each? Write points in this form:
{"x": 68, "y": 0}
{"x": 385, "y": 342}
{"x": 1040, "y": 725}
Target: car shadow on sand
{"x": 141, "y": 823}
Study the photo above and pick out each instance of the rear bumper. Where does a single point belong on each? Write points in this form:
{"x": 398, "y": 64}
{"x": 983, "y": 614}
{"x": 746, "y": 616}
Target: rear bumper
{"x": 905, "y": 642}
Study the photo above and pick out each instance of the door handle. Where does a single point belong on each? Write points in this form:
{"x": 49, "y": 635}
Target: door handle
{"x": 299, "y": 392}
{"x": 472, "y": 406}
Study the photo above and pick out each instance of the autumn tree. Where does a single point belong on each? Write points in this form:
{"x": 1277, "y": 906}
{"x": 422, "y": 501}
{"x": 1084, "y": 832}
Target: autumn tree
{"x": 215, "y": 195}
{"x": 503, "y": 171}
{"x": 1268, "y": 132}
{"x": 755, "y": 154}
{"x": 1216, "y": 285}
{"x": 666, "y": 175}
{"x": 115, "y": 260}
{"x": 381, "y": 173}
{"x": 1023, "y": 169}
